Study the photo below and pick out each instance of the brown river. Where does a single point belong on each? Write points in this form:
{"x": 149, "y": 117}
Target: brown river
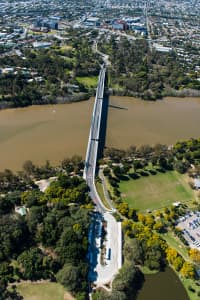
{"x": 53, "y": 132}
{"x": 162, "y": 286}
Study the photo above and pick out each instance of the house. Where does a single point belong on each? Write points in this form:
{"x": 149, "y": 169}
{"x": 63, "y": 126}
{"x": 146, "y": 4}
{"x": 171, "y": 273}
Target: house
{"x": 40, "y": 45}
{"x": 92, "y": 22}
{"x": 21, "y": 210}
{"x": 119, "y": 25}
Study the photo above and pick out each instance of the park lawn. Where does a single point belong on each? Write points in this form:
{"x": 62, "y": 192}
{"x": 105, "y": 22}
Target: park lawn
{"x": 156, "y": 191}
{"x": 88, "y": 81}
{"x": 43, "y": 291}
{"x": 66, "y": 47}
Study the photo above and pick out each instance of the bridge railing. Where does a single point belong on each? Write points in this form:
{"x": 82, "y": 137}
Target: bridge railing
{"x": 100, "y": 90}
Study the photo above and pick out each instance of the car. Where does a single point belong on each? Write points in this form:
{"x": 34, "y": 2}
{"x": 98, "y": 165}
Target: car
{"x": 108, "y": 256}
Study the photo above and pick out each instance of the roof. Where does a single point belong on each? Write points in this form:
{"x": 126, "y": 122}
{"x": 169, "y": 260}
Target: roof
{"x": 21, "y": 210}
{"x": 197, "y": 183}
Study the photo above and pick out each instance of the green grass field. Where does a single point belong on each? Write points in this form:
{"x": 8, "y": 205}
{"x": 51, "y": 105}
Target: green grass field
{"x": 88, "y": 81}
{"x": 156, "y": 191}
{"x": 42, "y": 291}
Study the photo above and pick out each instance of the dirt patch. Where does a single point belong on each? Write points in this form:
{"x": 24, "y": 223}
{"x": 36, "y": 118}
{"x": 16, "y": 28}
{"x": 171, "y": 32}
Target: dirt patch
{"x": 123, "y": 195}
{"x": 68, "y": 296}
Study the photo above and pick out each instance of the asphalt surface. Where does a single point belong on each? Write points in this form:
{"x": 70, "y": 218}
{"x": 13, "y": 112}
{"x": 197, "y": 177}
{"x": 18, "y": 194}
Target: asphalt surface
{"x": 99, "y": 273}
{"x": 93, "y": 143}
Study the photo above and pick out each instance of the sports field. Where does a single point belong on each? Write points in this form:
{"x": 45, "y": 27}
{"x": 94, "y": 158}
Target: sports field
{"x": 156, "y": 191}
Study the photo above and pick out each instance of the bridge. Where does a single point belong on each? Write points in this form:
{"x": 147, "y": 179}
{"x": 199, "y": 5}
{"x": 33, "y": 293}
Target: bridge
{"x": 93, "y": 143}
{"x": 100, "y": 274}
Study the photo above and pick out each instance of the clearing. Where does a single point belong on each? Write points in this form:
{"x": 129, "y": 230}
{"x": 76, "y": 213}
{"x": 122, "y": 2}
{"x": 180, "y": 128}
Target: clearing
{"x": 156, "y": 191}
{"x": 88, "y": 81}
{"x": 43, "y": 291}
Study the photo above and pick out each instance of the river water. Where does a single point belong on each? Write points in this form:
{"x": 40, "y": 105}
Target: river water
{"x": 162, "y": 286}
{"x": 54, "y": 132}
{"x": 144, "y": 122}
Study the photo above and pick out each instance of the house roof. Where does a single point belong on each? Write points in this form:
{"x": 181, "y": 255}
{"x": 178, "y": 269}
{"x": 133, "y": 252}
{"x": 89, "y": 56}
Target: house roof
{"x": 197, "y": 182}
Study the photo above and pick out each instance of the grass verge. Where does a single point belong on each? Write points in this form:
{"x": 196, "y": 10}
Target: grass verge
{"x": 193, "y": 290}
{"x": 99, "y": 188}
{"x": 147, "y": 271}
{"x": 175, "y": 243}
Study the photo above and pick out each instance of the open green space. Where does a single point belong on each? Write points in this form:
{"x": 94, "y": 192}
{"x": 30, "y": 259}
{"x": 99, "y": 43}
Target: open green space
{"x": 192, "y": 288}
{"x": 156, "y": 191}
{"x": 41, "y": 291}
{"x": 175, "y": 243}
{"x": 88, "y": 81}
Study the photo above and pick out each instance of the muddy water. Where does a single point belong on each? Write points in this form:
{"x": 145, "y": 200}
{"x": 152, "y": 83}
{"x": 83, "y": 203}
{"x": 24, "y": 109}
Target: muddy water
{"x": 144, "y": 122}
{"x": 162, "y": 286}
{"x": 54, "y": 132}
{"x": 43, "y": 132}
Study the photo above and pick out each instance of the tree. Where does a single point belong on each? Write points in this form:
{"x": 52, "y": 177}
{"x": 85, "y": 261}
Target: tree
{"x": 6, "y": 271}
{"x": 34, "y": 265}
{"x": 128, "y": 280}
{"x": 68, "y": 276}
{"x": 171, "y": 255}
{"x": 187, "y": 270}
{"x": 133, "y": 251}
{"x": 149, "y": 221}
{"x": 31, "y": 198}
{"x": 29, "y": 168}
{"x": 195, "y": 255}
{"x": 6, "y": 205}
{"x": 159, "y": 227}
{"x": 141, "y": 218}
{"x": 123, "y": 209}
{"x": 178, "y": 263}
{"x": 13, "y": 235}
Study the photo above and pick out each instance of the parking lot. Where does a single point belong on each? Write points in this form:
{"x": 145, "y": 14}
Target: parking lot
{"x": 99, "y": 273}
{"x": 190, "y": 226}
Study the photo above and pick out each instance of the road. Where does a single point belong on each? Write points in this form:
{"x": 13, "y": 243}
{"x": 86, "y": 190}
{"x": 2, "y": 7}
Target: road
{"x": 100, "y": 273}
{"x": 149, "y": 38}
{"x": 93, "y": 143}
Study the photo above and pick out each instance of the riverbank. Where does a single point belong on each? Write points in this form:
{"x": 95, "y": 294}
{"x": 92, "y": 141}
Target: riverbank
{"x": 78, "y": 97}
{"x": 120, "y": 91}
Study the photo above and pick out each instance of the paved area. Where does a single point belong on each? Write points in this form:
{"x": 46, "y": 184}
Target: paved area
{"x": 105, "y": 264}
{"x": 102, "y": 274}
{"x": 43, "y": 184}
{"x": 190, "y": 225}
